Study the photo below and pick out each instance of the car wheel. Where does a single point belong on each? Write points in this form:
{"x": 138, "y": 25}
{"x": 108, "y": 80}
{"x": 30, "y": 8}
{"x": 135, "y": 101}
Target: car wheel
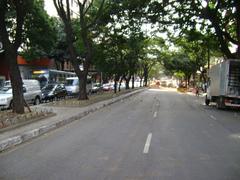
{"x": 36, "y": 101}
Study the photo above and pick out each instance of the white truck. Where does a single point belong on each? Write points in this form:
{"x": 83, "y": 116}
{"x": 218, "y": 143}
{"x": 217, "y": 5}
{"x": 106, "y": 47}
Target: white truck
{"x": 224, "y": 84}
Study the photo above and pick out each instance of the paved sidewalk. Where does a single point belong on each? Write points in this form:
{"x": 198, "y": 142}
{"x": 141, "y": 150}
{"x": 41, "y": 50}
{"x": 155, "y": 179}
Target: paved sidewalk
{"x": 64, "y": 115}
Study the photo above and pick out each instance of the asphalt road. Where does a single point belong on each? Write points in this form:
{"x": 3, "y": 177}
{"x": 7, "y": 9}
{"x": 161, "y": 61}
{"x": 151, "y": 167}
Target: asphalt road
{"x": 153, "y": 135}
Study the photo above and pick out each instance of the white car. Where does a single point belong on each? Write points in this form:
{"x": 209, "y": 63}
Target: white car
{"x": 72, "y": 85}
{"x": 31, "y": 92}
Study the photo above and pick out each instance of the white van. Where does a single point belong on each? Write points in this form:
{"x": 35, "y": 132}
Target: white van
{"x": 31, "y": 92}
{"x": 72, "y": 85}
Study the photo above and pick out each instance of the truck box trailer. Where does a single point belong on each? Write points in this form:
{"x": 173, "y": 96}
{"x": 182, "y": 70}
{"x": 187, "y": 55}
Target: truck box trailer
{"x": 224, "y": 84}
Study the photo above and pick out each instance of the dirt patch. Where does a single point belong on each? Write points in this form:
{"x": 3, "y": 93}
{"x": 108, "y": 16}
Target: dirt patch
{"x": 10, "y": 120}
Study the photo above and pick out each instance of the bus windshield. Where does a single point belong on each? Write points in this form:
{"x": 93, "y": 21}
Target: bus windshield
{"x": 71, "y": 82}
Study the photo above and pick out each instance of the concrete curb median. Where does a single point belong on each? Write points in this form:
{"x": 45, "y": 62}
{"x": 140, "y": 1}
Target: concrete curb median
{"x": 33, "y": 133}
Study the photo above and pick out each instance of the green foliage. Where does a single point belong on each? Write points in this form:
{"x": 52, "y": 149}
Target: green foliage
{"x": 122, "y": 41}
{"x": 156, "y": 70}
{"x": 218, "y": 17}
{"x": 179, "y": 63}
{"x": 40, "y": 32}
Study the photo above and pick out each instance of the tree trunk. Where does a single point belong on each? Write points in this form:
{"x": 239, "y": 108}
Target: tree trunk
{"x": 16, "y": 81}
{"x": 62, "y": 65}
{"x": 141, "y": 81}
{"x": 83, "y": 86}
{"x": 133, "y": 81}
{"x": 116, "y": 78}
{"x": 120, "y": 83}
{"x": 145, "y": 76}
{"x": 127, "y": 79}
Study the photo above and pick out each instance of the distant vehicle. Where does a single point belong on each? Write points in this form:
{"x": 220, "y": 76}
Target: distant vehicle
{"x": 31, "y": 92}
{"x": 163, "y": 83}
{"x": 53, "y": 92}
{"x": 48, "y": 76}
{"x": 72, "y": 85}
{"x": 224, "y": 84}
{"x": 123, "y": 85}
{"x": 96, "y": 88}
{"x": 108, "y": 87}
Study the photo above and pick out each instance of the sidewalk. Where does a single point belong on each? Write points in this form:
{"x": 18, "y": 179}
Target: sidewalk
{"x": 64, "y": 115}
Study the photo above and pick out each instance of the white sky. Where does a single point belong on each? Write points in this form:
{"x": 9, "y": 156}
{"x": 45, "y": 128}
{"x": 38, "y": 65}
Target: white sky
{"x": 50, "y": 8}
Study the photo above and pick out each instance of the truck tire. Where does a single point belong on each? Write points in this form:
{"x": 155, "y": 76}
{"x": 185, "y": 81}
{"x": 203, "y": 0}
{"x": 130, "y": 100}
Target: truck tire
{"x": 207, "y": 101}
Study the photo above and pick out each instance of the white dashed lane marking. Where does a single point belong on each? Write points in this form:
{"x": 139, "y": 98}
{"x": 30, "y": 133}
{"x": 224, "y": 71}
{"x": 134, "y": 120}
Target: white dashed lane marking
{"x": 147, "y": 144}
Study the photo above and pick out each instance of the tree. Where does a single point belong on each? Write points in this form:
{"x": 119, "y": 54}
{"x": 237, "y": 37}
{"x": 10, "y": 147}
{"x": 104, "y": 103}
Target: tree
{"x": 153, "y": 53}
{"x": 111, "y": 57}
{"x": 121, "y": 40}
{"x": 37, "y": 22}
{"x": 12, "y": 16}
{"x": 220, "y": 17}
{"x": 179, "y": 63}
{"x": 88, "y": 16}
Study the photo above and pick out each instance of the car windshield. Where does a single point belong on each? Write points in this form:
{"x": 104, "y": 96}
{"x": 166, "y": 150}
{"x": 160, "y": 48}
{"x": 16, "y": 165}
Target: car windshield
{"x": 6, "y": 90}
{"x": 49, "y": 87}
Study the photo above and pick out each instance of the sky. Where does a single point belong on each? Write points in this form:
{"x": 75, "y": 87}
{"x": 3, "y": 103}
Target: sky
{"x": 50, "y": 8}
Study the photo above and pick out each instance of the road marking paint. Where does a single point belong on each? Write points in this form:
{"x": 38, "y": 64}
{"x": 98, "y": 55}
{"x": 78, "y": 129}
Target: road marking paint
{"x": 155, "y": 114}
{"x": 147, "y": 144}
{"x": 214, "y": 118}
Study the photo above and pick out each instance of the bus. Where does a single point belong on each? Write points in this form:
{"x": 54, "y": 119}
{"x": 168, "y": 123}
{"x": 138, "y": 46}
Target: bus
{"x": 51, "y": 76}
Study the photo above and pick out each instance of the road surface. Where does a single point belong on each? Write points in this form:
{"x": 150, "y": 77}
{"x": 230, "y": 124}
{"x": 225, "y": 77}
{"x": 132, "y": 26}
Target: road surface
{"x": 154, "y": 135}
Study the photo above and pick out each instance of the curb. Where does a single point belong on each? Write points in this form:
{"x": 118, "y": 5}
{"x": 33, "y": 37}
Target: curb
{"x": 28, "y": 135}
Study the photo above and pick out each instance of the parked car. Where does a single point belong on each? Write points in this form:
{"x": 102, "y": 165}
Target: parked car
{"x": 96, "y": 88}
{"x": 31, "y": 92}
{"x": 108, "y": 87}
{"x": 53, "y": 92}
